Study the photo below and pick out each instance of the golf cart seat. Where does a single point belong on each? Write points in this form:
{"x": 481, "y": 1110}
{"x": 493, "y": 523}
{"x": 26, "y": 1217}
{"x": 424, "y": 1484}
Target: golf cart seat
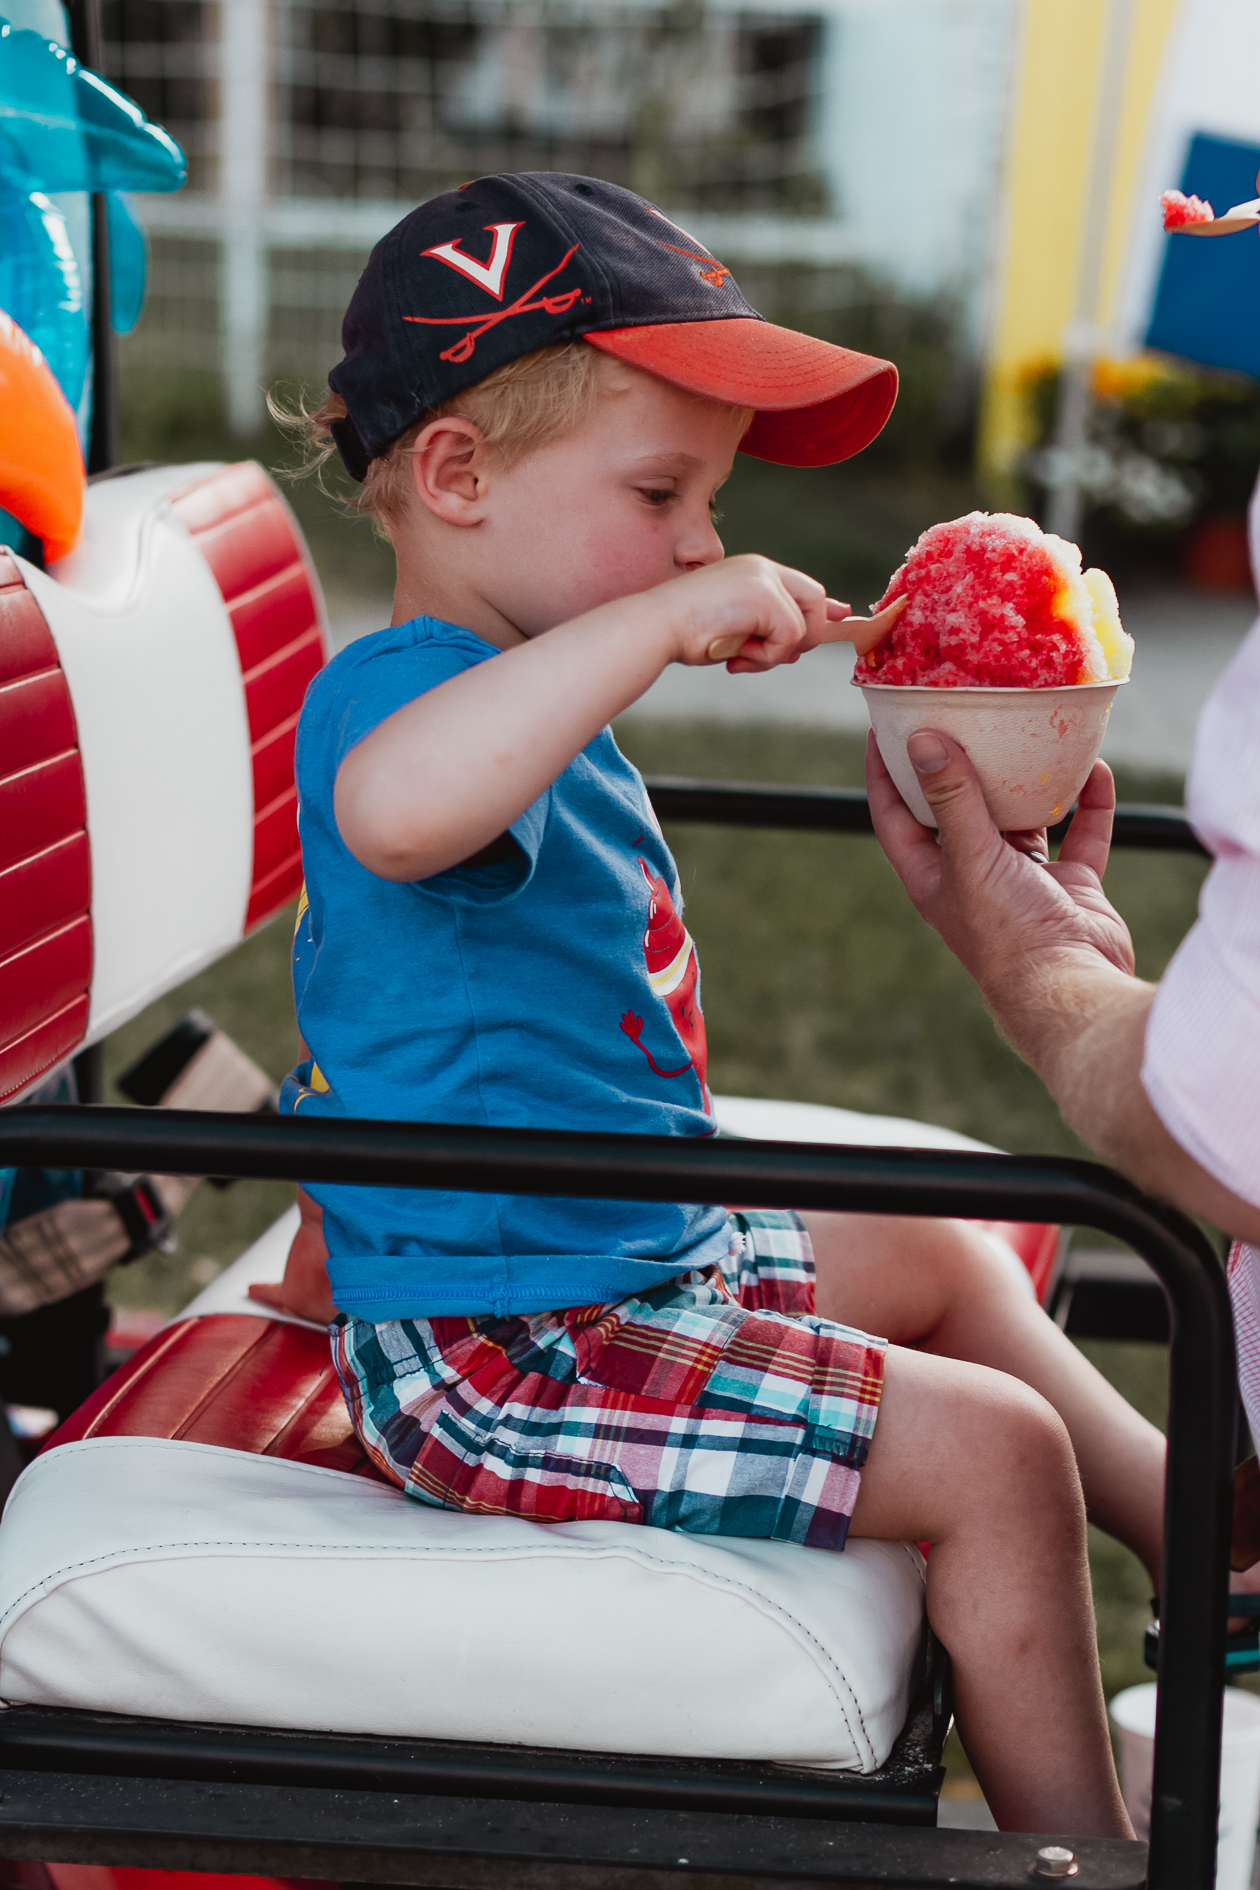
{"x": 150, "y": 685}
{"x": 197, "y": 1542}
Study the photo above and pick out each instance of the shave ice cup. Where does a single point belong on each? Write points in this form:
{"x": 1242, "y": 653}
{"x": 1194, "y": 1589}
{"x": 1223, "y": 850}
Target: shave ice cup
{"x": 1032, "y": 748}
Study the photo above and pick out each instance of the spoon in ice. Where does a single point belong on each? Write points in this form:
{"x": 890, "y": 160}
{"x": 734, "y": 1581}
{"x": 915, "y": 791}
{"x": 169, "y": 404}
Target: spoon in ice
{"x": 864, "y": 633}
{"x": 1240, "y": 216}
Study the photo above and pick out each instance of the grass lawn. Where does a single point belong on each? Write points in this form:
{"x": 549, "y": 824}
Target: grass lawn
{"x": 820, "y": 984}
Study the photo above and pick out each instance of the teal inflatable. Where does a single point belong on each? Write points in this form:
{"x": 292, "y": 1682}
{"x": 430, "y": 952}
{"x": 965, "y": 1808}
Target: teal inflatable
{"x": 65, "y": 132}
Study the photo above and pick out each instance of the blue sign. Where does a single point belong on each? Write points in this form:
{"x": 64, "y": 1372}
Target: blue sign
{"x": 1207, "y": 306}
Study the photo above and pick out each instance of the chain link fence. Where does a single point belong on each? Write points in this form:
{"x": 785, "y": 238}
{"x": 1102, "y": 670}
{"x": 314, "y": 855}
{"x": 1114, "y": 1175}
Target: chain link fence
{"x": 311, "y": 127}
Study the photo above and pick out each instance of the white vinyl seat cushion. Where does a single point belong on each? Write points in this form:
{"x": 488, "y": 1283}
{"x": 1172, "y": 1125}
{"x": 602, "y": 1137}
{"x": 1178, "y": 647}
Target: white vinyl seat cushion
{"x": 179, "y": 1580}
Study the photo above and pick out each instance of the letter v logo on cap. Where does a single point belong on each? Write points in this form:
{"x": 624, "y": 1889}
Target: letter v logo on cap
{"x": 487, "y": 275}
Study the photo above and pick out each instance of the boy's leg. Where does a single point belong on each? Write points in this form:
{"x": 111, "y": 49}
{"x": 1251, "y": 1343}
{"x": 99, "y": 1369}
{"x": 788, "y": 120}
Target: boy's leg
{"x": 982, "y": 1468}
{"x": 939, "y": 1287}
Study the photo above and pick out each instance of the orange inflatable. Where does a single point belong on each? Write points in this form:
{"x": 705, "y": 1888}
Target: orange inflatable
{"x": 41, "y": 467}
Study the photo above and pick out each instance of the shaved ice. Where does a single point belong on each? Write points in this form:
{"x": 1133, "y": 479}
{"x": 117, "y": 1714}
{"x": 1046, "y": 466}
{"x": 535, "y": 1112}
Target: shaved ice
{"x": 1179, "y": 210}
{"x": 997, "y": 603}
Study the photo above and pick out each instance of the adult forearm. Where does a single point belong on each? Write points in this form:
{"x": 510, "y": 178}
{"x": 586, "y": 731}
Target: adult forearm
{"x": 1081, "y": 1024}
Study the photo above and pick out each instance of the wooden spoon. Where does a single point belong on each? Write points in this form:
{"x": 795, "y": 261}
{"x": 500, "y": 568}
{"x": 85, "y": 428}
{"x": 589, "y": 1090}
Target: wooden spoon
{"x": 863, "y": 632}
{"x": 1241, "y": 216}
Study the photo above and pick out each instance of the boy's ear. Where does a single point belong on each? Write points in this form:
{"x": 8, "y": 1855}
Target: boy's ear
{"x": 448, "y": 470}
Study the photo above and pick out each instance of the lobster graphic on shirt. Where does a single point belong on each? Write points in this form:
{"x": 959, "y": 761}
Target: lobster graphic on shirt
{"x": 674, "y": 975}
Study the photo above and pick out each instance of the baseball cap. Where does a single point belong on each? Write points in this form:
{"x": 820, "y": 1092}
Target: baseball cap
{"x": 479, "y": 276}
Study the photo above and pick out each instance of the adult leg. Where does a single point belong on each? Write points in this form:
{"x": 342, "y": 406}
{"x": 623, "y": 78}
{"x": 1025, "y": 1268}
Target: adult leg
{"x": 939, "y": 1287}
{"x": 981, "y": 1467}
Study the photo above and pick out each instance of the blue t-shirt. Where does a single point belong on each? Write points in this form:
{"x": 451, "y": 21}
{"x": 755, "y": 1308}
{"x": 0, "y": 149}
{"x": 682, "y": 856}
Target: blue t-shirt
{"x": 556, "y": 989}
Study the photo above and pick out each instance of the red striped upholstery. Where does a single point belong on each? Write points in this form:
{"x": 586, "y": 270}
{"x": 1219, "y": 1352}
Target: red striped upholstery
{"x": 45, "y": 871}
{"x": 228, "y": 1379}
{"x": 251, "y": 543}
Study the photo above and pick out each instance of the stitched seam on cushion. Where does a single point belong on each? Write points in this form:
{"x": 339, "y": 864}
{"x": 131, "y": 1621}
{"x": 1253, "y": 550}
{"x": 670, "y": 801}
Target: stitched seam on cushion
{"x": 760, "y": 1602}
{"x": 911, "y": 1552}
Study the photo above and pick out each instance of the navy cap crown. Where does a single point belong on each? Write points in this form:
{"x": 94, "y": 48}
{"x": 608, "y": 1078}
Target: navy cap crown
{"x": 482, "y": 275}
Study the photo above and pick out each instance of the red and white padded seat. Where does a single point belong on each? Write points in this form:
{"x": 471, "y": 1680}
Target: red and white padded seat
{"x": 248, "y": 537}
{"x": 205, "y": 1539}
{"x": 150, "y": 685}
{"x": 45, "y": 873}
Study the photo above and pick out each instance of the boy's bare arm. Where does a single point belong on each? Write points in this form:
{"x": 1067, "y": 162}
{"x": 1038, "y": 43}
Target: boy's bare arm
{"x": 448, "y": 773}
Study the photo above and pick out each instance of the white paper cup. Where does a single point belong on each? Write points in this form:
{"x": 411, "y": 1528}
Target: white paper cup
{"x": 1134, "y": 1714}
{"x": 1032, "y": 748}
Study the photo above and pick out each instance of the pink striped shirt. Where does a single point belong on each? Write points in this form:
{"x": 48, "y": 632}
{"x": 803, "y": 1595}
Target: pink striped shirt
{"x": 1202, "y": 1063}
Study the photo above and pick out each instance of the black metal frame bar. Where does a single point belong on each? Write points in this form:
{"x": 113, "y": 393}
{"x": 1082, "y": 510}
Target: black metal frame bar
{"x": 85, "y": 42}
{"x": 845, "y": 810}
{"x": 904, "y": 1791}
{"x": 769, "y": 1174}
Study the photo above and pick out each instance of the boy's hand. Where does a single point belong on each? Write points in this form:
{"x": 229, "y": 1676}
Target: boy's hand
{"x": 304, "y": 1290}
{"x": 749, "y": 612}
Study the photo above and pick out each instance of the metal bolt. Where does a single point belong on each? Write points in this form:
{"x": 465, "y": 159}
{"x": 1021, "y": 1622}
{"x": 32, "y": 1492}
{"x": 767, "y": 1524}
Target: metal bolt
{"x": 1055, "y": 1860}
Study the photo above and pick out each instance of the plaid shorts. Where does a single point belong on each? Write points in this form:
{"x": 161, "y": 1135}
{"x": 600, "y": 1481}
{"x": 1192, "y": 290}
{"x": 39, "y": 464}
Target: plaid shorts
{"x": 718, "y": 1402}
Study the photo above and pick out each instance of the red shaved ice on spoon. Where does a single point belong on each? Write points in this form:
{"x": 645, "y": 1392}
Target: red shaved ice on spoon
{"x": 1179, "y": 210}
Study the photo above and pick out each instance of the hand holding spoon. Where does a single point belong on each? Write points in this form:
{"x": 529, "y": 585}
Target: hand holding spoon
{"x": 864, "y": 633}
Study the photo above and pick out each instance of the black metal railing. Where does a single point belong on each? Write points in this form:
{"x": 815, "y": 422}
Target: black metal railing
{"x": 771, "y": 1174}
{"x": 845, "y": 810}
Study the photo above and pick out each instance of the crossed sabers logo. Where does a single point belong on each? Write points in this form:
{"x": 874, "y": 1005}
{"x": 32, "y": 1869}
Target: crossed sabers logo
{"x": 714, "y": 272}
{"x": 490, "y": 277}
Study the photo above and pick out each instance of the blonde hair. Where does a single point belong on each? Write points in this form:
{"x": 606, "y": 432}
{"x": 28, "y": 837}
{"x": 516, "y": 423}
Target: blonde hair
{"x": 522, "y": 406}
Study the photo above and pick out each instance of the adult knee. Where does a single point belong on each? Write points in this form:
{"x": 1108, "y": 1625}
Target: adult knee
{"x": 1029, "y": 1449}
{"x": 971, "y": 1266}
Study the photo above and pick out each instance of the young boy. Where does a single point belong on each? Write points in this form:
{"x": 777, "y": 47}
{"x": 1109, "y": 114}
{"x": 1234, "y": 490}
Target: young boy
{"x": 544, "y": 386}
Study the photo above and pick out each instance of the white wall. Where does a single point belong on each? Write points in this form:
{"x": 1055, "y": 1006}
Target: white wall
{"x": 1210, "y": 82}
{"x": 913, "y": 121}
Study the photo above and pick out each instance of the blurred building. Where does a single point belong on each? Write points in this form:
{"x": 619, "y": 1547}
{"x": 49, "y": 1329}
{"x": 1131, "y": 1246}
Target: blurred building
{"x": 1112, "y": 102}
{"x": 804, "y": 133}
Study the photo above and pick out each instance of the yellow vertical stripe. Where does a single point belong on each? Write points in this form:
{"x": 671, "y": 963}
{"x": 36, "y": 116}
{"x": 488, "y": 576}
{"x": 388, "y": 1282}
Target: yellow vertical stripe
{"x": 1046, "y": 189}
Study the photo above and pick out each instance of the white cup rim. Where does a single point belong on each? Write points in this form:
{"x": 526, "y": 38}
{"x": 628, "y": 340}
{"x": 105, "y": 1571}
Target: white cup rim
{"x": 984, "y": 689}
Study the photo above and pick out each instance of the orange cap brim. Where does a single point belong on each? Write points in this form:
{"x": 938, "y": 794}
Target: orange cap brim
{"x": 813, "y": 403}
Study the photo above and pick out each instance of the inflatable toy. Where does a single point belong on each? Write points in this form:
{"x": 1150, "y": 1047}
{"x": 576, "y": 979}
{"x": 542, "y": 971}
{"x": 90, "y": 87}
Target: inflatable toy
{"x": 41, "y": 467}
{"x": 66, "y": 129}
